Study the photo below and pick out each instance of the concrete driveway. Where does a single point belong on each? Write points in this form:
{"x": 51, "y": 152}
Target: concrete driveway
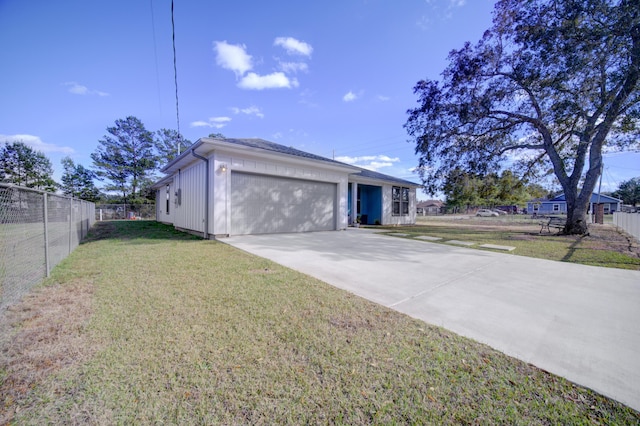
{"x": 579, "y": 322}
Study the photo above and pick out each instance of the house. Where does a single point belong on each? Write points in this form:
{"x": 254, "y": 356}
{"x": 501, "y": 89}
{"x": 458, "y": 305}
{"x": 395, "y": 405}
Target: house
{"x": 558, "y": 204}
{"x": 222, "y": 187}
{"x": 429, "y": 207}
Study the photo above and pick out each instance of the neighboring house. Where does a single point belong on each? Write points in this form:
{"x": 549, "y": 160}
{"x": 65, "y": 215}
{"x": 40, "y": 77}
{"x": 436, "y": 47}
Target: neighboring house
{"x": 558, "y": 205}
{"x": 429, "y": 207}
{"x": 222, "y": 187}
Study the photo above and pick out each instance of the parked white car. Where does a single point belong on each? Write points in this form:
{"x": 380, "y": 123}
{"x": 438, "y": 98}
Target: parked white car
{"x": 487, "y": 213}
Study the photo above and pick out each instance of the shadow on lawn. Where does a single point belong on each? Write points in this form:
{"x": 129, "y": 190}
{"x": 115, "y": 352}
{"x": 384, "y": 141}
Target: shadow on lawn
{"x": 572, "y": 249}
{"x": 136, "y": 230}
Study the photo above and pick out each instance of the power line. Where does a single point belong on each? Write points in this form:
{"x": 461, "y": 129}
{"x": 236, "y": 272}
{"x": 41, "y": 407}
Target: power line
{"x": 155, "y": 54}
{"x": 175, "y": 68}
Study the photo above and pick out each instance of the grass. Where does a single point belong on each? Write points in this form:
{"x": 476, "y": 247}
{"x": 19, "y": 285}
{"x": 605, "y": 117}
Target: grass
{"x": 151, "y": 326}
{"x": 604, "y": 246}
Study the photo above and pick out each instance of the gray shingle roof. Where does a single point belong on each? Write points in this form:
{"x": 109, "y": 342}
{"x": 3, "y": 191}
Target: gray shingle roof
{"x": 274, "y": 147}
{"x": 381, "y": 176}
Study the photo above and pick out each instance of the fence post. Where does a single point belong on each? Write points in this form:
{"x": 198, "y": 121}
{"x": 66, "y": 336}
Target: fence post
{"x": 81, "y": 220}
{"x": 46, "y": 233}
{"x": 70, "y": 221}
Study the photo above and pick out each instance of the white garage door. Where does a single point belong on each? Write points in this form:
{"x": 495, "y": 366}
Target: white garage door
{"x": 268, "y": 205}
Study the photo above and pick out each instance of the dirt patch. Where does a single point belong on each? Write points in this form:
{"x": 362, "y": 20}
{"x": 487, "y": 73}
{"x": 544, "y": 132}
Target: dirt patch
{"x": 607, "y": 237}
{"x": 600, "y": 237}
{"x": 350, "y": 324}
{"x": 40, "y": 336}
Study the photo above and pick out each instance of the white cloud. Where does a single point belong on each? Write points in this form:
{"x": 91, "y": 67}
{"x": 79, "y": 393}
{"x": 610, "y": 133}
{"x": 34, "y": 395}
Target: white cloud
{"x": 276, "y": 80}
{"x": 79, "y": 89}
{"x": 294, "y": 67}
{"x": 424, "y": 22}
{"x": 36, "y": 143}
{"x": 214, "y": 122}
{"x": 350, "y": 97}
{"x": 383, "y": 98}
{"x": 439, "y": 11}
{"x": 252, "y": 110}
{"x": 293, "y": 46}
{"x": 232, "y": 57}
{"x": 370, "y": 162}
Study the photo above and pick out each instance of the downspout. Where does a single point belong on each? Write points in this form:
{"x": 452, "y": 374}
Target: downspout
{"x": 206, "y": 194}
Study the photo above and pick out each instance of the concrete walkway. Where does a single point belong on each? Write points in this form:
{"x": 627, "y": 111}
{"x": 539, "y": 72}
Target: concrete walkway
{"x": 579, "y": 322}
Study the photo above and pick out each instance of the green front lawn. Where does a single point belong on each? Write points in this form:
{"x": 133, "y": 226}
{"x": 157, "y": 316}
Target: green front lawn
{"x": 159, "y": 327}
{"x": 605, "y": 246}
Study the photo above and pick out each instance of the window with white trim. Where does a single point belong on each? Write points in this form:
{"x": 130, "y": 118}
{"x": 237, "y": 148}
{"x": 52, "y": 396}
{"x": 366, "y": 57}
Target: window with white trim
{"x": 556, "y": 207}
{"x": 400, "y": 201}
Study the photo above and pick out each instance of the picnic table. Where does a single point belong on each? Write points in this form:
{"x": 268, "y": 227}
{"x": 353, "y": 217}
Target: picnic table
{"x": 558, "y": 222}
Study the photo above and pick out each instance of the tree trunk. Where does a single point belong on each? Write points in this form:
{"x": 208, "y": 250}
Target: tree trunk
{"x": 576, "y": 219}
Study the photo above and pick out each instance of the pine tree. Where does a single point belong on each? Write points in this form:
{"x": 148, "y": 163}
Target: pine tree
{"x": 22, "y": 165}
{"x": 125, "y": 157}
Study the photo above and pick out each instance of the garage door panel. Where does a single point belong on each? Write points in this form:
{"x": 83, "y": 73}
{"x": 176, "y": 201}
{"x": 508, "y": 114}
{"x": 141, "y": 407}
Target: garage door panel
{"x": 268, "y": 204}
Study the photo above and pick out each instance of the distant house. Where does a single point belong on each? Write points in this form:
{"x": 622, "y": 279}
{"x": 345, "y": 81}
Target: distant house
{"x": 221, "y": 187}
{"x": 429, "y": 207}
{"x": 558, "y": 204}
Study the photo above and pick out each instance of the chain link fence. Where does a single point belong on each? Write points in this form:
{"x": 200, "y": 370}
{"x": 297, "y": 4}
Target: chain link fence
{"x": 37, "y": 230}
{"x": 125, "y": 211}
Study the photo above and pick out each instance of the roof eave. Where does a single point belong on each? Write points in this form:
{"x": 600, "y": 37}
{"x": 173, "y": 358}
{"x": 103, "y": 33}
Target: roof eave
{"x": 243, "y": 149}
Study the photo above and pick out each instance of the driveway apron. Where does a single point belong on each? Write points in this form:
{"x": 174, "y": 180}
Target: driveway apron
{"x": 579, "y": 322}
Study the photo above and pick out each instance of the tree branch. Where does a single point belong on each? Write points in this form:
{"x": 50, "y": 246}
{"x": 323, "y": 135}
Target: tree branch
{"x": 521, "y": 146}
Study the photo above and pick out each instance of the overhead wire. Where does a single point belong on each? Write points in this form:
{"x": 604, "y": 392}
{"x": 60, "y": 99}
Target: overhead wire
{"x": 610, "y": 181}
{"x": 155, "y": 55}
{"x": 175, "y": 72}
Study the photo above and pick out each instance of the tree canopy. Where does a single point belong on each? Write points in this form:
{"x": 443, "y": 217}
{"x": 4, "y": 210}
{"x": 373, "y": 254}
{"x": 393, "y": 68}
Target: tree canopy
{"x": 22, "y": 165}
{"x": 464, "y": 190}
{"x": 125, "y": 157}
{"x": 629, "y": 191}
{"x": 549, "y": 87}
{"x": 77, "y": 181}
{"x": 169, "y": 144}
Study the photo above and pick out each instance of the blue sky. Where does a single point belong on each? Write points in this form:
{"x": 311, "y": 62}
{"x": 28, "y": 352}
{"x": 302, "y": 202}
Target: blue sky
{"x": 334, "y": 78}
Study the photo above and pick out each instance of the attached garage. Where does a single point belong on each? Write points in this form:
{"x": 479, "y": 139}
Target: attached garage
{"x": 222, "y": 186}
{"x": 262, "y": 204}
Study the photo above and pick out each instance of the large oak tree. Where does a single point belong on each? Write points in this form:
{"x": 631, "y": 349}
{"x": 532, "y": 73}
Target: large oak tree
{"x": 550, "y": 86}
